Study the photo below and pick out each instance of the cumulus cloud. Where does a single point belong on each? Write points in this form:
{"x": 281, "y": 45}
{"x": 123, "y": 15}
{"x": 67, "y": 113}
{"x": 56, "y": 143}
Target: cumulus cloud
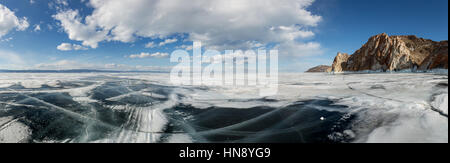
{"x": 62, "y": 2}
{"x": 69, "y": 47}
{"x": 150, "y": 45}
{"x": 9, "y": 21}
{"x": 73, "y": 26}
{"x": 6, "y": 39}
{"x": 219, "y": 24}
{"x": 150, "y": 55}
{"x": 168, "y": 41}
{"x": 163, "y": 43}
{"x": 300, "y": 49}
{"x": 185, "y": 47}
{"x": 37, "y": 28}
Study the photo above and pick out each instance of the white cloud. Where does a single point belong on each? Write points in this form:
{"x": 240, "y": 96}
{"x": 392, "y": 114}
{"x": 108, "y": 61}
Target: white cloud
{"x": 291, "y": 33}
{"x": 32, "y": 2}
{"x": 189, "y": 48}
{"x": 37, "y": 27}
{"x": 73, "y": 26}
{"x": 300, "y": 49}
{"x": 58, "y": 5}
{"x": 9, "y": 21}
{"x": 62, "y": 2}
{"x": 185, "y": 47}
{"x": 220, "y": 24}
{"x": 150, "y": 55}
{"x": 150, "y": 45}
{"x": 163, "y": 43}
{"x": 168, "y": 41}
{"x": 6, "y": 39}
{"x": 69, "y": 47}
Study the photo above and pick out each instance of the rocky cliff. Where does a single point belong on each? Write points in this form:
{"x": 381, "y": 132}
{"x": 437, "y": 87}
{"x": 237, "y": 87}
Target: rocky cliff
{"x": 321, "y": 68}
{"x": 393, "y": 53}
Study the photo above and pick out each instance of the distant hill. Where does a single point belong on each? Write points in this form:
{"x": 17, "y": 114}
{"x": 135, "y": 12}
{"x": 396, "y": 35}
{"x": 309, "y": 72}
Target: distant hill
{"x": 321, "y": 68}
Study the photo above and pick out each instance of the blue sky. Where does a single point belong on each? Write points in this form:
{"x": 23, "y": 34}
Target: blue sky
{"x": 306, "y": 34}
{"x": 348, "y": 24}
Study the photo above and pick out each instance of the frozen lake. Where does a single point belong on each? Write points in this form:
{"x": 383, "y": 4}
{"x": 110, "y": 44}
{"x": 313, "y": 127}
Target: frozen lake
{"x": 144, "y": 107}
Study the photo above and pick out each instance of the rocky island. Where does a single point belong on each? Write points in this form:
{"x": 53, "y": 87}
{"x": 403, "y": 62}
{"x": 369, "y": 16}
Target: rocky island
{"x": 321, "y": 68}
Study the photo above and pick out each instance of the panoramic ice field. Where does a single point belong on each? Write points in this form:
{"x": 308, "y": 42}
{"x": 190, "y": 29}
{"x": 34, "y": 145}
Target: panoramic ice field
{"x": 145, "y": 107}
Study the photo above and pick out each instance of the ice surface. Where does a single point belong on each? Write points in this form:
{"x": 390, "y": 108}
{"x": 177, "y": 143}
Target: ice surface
{"x": 12, "y": 131}
{"x": 441, "y": 103}
{"x": 145, "y": 107}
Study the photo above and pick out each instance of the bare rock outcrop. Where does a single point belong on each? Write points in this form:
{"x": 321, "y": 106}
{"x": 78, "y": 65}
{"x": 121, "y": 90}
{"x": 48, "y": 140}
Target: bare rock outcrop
{"x": 321, "y": 68}
{"x": 394, "y": 53}
{"x": 340, "y": 62}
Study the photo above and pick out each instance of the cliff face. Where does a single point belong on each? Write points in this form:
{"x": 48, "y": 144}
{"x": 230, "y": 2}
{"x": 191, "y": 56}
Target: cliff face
{"x": 340, "y": 62}
{"x": 392, "y": 53}
{"x": 321, "y": 68}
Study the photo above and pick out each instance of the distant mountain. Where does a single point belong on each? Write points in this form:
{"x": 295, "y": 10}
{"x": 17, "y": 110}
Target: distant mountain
{"x": 321, "y": 68}
{"x": 76, "y": 71}
{"x": 394, "y": 53}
